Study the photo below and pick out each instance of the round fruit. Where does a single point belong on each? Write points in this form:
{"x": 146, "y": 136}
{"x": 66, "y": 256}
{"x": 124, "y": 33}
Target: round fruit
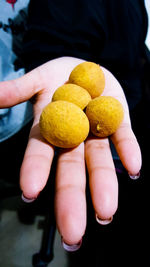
{"x": 105, "y": 114}
{"x": 90, "y": 76}
{"x": 72, "y": 93}
{"x": 64, "y": 124}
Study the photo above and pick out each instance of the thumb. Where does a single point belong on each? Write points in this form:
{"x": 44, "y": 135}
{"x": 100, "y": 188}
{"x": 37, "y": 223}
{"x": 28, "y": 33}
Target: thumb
{"x": 19, "y": 90}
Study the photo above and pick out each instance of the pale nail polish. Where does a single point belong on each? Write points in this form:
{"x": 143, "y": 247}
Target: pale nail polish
{"x": 104, "y": 222}
{"x": 27, "y": 200}
{"x": 134, "y": 177}
{"x": 71, "y": 248}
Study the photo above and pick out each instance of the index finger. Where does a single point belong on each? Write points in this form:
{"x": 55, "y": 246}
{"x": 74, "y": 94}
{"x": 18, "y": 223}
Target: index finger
{"x": 36, "y": 164}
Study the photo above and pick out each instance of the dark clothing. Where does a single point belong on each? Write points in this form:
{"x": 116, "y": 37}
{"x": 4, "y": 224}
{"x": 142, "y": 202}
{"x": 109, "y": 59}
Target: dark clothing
{"x": 111, "y": 33}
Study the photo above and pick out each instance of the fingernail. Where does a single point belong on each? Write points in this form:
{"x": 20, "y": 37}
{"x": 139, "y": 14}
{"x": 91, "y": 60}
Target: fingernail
{"x": 135, "y": 176}
{"x": 71, "y": 248}
{"x": 104, "y": 222}
{"x": 27, "y": 200}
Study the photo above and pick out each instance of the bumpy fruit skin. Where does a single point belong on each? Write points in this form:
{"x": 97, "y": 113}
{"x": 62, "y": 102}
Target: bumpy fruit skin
{"x": 63, "y": 124}
{"x": 105, "y": 114}
{"x": 90, "y": 76}
{"x": 72, "y": 93}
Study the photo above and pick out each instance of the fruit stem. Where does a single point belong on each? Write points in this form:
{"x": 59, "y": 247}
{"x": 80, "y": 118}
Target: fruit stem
{"x": 98, "y": 127}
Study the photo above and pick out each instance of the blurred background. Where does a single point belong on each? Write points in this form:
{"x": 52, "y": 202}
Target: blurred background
{"x": 147, "y": 4}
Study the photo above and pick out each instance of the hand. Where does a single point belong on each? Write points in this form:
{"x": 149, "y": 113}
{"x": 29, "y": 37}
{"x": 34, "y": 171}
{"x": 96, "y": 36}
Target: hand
{"x": 70, "y": 200}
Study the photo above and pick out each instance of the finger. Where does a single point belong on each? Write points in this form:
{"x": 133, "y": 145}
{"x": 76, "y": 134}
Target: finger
{"x": 36, "y": 164}
{"x": 124, "y": 139}
{"x": 128, "y": 148}
{"x": 51, "y": 74}
{"x": 21, "y": 89}
{"x": 70, "y": 202}
{"x": 102, "y": 177}
{"x": 39, "y": 154}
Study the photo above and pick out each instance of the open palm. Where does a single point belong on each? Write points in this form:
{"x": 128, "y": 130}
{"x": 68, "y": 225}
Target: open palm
{"x": 70, "y": 200}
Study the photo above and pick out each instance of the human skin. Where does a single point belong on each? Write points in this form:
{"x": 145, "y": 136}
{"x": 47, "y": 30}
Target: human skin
{"x": 70, "y": 199}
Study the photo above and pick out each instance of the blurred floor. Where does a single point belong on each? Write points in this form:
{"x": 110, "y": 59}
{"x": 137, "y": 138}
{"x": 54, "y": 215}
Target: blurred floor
{"x": 19, "y": 241}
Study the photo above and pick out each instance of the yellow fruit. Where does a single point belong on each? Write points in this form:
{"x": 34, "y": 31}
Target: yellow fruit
{"x": 90, "y": 76}
{"x": 105, "y": 114}
{"x": 64, "y": 124}
{"x": 72, "y": 93}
